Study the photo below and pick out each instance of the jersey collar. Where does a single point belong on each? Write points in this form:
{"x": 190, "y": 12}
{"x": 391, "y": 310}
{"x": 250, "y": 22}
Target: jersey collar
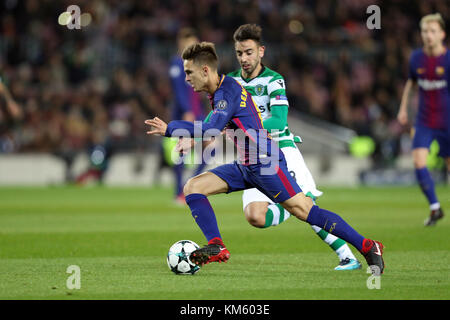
{"x": 263, "y": 68}
{"x": 211, "y": 96}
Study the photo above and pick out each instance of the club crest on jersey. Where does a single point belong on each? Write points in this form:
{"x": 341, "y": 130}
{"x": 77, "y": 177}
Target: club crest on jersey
{"x": 440, "y": 70}
{"x": 221, "y": 105}
{"x": 420, "y": 70}
{"x": 259, "y": 89}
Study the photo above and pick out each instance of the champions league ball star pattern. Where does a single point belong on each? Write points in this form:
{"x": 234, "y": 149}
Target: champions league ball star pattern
{"x": 178, "y": 257}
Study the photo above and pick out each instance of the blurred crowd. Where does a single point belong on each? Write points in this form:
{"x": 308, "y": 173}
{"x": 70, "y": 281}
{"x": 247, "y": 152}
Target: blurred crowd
{"x": 77, "y": 89}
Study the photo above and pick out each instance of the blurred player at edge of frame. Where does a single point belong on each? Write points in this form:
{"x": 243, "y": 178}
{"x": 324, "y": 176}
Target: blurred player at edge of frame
{"x": 429, "y": 67}
{"x": 187, "y": 104}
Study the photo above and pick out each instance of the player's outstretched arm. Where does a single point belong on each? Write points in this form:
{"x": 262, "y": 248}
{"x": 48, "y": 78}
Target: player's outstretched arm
{"x": 402, "y": 115}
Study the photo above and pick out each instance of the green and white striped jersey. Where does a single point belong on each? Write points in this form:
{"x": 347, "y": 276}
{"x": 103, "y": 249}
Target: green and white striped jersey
{"x": 268, "y": 89}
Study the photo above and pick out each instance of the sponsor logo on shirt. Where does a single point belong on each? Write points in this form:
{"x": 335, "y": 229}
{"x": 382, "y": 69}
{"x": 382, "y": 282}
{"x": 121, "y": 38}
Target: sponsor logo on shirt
{"x": 432, "y": 84}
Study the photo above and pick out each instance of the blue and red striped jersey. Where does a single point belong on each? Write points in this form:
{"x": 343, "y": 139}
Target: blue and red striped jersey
{"x": 233, "y": 108}
{"x": 432, "y": 75}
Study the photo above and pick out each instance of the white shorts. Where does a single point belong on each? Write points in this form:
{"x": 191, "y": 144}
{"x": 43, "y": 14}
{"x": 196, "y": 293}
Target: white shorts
{"x": 297, "y": 168}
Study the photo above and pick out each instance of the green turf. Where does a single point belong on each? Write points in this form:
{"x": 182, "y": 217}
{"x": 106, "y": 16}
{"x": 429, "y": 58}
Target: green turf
{"x": 119, "y": 238}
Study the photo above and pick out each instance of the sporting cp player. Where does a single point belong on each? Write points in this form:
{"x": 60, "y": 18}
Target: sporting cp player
{"x": 429, "y": 67}
{"x": 261, "y": 163}
{"x": 187, "y": 103}
{"x": 268, "y": 90}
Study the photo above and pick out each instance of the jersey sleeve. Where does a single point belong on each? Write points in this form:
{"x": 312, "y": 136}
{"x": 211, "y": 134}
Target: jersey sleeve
{"x": 208, "y": 116}
{"x": 411, "y": 69}
{"x": 224, "y": 108}
{"x": 278, "y": 120}
{"x": 276, "y": 89}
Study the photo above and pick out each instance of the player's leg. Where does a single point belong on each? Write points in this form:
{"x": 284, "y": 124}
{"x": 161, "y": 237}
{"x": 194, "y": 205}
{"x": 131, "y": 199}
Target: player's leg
{"x": 260, "y": 211}
{"x": 196, "y": 191}
{"x": 424, "y": 178}
{"x": 222, "y": 179}
{"x": 426, "y": 184}
{"x": 280, "y": 186}
{"x": 303, "y": 208}
{"x": 443, "y": 139}
{"x": 178, "y": 174}
{"x": 301, "y": 174}
{"x": 421, "y": 143}
{"x": 347, "y": 260}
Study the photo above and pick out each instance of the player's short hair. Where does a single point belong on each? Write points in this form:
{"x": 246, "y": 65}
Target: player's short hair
{"x": 248, "y": 32}
{"x": 202, "y": 53}
{"x": 435, "y": 17}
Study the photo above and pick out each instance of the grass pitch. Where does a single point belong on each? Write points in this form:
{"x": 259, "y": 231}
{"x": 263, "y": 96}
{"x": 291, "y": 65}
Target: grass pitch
{"x": 119, "y": 237}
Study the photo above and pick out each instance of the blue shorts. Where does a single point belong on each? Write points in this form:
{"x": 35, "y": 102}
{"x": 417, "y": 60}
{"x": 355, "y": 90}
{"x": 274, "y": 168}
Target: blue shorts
{"x": 276, "y": 183}
{"x": 423, "y": 137}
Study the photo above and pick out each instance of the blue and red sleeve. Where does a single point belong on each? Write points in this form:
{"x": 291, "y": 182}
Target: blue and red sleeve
{"x": 224, "y": 106}
{"x": 411, "y": 66}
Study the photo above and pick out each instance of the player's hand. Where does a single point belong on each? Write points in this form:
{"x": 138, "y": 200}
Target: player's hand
{"x": 184, "y": 145}
{"x": 15, "y": 110}
{"x": 402, "y": 117}
{"x": 159, "y": 127}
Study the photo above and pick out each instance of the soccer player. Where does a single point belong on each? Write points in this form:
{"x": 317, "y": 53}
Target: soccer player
{"x": 429, "y": 67}
{"x": 261, "y": 163}
{"x": 187, "y": 104}
{"x": 268, "y": 90}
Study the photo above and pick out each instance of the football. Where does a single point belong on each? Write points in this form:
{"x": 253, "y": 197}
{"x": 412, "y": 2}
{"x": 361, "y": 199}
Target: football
{"x": 178, "y": 257}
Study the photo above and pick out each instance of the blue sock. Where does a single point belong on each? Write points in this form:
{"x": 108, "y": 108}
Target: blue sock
{"x": 178, "y": 171}
{"x": 426, "y": 184}
{"x": 335, "y": 225}
{"x": 204, "y": 215}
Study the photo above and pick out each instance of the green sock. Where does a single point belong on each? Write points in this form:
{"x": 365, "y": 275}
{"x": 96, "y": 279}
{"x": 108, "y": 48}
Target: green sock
{"x": 275, "y": 215}
{"x": 338, "y": 245}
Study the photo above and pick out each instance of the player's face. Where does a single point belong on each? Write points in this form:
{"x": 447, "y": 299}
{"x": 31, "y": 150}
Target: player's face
{"x": 432, "y": 34}
{"x": 249, "y": 55}
{"x": 196, "y": 75}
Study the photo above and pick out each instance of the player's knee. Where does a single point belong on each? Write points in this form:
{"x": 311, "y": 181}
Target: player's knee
{"x": 419, "y": 163}
{"x": 299, "y": 206}
{"x": 193, "y": 185}
{"x": 420, "y": 158}
{"x": 256, "y": 215}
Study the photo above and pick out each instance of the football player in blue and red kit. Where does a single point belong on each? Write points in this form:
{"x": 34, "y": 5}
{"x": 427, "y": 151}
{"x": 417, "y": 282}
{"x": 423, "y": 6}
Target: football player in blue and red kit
{"x": 261, "y": 163}
{"x": 429, "y": 67}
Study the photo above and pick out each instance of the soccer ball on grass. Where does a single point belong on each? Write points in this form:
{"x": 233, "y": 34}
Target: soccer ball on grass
{"x": 178, "y": 257}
